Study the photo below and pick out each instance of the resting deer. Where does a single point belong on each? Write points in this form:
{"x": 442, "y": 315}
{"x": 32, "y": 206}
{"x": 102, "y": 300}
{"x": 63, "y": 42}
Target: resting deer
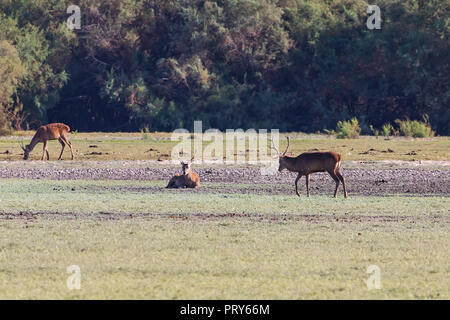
{"x": 311, "y": 162}
{"x": 188, "y": 179}
{"x": 50, "y": 131}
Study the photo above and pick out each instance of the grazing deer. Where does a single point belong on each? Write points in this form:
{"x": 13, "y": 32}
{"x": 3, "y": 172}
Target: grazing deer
{"x": 311, "y": 162}
{"x": 188, "y": 179}
{"x": 50, "y": 131}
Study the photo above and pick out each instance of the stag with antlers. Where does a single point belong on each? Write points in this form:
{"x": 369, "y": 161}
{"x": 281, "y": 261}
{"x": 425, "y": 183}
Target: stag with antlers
{"x": 310, "y": 162}
{"x": 52, "y": 131}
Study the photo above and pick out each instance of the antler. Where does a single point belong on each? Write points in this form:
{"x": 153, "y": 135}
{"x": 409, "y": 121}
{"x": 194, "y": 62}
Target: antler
{"x": 273, "y": 147}
{"x": 287, "y": 146}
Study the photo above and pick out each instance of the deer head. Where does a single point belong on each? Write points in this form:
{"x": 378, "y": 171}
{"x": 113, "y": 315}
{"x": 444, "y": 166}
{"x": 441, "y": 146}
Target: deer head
{"x": 281, "y": 156}
{"x": 26, "y": 151}
{"x": 186, "y": 166}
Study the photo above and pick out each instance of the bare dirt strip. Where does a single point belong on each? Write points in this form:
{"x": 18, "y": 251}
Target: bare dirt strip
{"x": 211, "y": 217}
{"x": 362, "y": 179}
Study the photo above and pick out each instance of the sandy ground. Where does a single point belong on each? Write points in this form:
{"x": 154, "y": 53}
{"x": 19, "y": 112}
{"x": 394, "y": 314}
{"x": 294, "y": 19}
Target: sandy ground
{"x": 374, "y": 178}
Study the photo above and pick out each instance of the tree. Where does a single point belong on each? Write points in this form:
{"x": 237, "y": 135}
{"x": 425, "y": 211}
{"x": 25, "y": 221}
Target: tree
{"x": 11, "y": 73}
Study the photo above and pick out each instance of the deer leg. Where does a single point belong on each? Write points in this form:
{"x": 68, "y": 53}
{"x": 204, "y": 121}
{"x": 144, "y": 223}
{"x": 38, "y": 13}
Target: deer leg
{"x": 336, "y": 179}
{"x": 296, "y": 184}
{"x": 307, "y": 185}
{"x": 44, "y": 149}
{"x": 339, "y": 175}
{"x": 62, "y": 149}
{"x": 66, "y": 140}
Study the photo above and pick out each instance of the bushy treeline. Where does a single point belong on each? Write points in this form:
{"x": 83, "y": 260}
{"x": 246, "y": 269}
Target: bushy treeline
{"x": 296, "y": 65}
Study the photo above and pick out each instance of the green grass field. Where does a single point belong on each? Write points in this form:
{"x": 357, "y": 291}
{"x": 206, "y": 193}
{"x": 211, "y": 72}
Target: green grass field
{"x": 137, "y": 240}
{"x": 146, "y": 146}
{"x": 172, "y": 245}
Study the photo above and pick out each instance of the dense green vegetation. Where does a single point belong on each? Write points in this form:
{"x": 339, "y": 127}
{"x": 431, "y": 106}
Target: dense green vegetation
{"x": 295, "y": 65}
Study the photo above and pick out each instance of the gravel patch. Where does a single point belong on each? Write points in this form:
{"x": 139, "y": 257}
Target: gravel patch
{"x": 362, "y": 179}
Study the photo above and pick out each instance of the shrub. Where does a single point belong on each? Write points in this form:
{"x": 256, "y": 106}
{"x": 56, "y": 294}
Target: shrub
{"x": 348, "y": 129}
{"x": 144, "y": 132}
{"x": 387, "y": 129}
{"x": 415, "y": 128}
{"x": 374, "y": 131}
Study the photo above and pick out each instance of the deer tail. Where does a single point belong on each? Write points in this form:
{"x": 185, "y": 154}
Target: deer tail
{"x": 339, "y": 163}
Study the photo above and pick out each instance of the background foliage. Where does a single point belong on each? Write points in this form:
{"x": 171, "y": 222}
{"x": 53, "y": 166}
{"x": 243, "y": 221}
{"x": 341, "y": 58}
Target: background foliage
{"x": 289, "y": 64}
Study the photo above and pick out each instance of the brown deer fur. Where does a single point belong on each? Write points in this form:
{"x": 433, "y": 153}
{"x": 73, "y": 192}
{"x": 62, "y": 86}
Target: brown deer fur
{"x": 310, "y": 162}
{"x": 52, "y": 131}
{"x": 188, "y": 179}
